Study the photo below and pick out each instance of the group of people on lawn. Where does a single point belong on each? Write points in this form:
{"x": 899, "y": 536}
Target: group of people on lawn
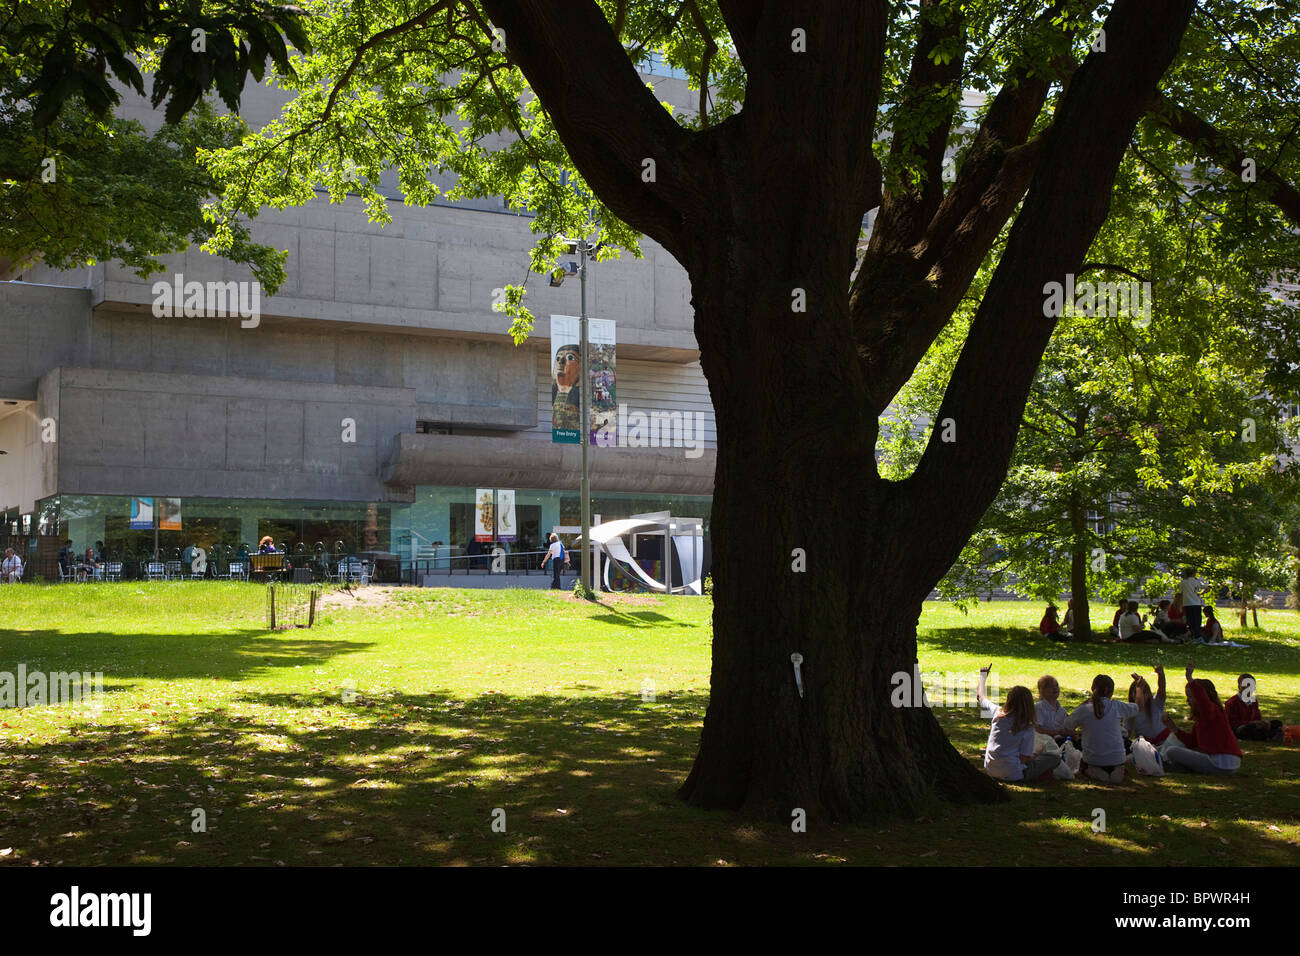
{"x": 1029, "y": 740}
{"x": 1176, "y": 622}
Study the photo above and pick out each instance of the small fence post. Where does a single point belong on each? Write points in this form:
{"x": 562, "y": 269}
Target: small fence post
{"x": 271, "y": 588}
{"x": 311, "y": 614}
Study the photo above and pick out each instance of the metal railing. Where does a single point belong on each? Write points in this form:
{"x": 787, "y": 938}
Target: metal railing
{"x": 513, "y": 562}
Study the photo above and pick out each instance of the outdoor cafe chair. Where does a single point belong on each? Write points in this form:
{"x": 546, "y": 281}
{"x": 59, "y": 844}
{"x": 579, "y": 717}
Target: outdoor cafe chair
{"x": 172, "y": 570}
{"x": 113, "y": 571}
{"x": 155, "y": 571}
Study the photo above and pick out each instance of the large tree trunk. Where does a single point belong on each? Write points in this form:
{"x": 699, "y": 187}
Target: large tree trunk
{"x": 796, "y": 476}
{"x": 1079, "y": 572}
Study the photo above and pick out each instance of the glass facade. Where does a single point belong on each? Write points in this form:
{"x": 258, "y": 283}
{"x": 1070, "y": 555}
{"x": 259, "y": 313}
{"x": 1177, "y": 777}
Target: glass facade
{"x": 440, "y": 517}
{"x": 443, "y": 516}
{"x": 88, "y": 519}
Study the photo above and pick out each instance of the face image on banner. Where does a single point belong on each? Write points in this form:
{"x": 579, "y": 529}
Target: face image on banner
{"x": 141, "y": 514}
{"x": 604, "y": 403}
{"x": 505, "y": 515}
{"x": 169, "y": 514}
{"x": 484, "y": 515}
{"x": 566, "y": 372}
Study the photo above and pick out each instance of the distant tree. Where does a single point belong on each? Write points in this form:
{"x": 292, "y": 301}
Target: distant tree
{"x": 1149, "y": 441}
{"x": 78, "y": 185}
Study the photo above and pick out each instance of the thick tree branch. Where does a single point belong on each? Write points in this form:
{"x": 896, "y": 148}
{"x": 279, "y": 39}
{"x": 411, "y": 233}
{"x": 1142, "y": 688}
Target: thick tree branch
{"x": 1068, "y": 201}
{"x": 1216, "y": 145}
{"x": 609, "y": 121}
{"x": 905, "y": 211}
{"x": 741, "y": 17}
{"x": 904, "y": 295}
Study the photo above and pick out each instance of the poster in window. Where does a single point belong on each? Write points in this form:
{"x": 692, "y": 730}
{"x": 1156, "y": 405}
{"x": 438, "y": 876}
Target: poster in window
{"x": 484, "y": 515}
{"x": 506, "y": 527}
{"x": 141, "y": 514}
{"x": 169, "y": 514}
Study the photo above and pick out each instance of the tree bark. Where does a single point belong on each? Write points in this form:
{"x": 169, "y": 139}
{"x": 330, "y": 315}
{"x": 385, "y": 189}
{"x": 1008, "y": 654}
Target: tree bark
{"x": 796, "y": 474}
{"x": 1079, "y": 572}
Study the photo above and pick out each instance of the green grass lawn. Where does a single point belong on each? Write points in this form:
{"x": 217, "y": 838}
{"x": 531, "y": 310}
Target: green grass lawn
{"x": 469, "y": 701}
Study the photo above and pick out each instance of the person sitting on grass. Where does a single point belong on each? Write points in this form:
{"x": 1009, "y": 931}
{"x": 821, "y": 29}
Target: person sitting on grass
{"x": 1211, "y": 746}
{"x": 1068, "y": 623}
{"x": 1119, "y": 613}
{"x": 1132, "y": 629}
{"x": 1167, "y": 623}
{"x": 1212, "y": 630}
{"x": 1009, "y": 754}
{"x": 1103, "y": 739}
{"x": 1242, "y": 710}
{"x": 1049, "y": 626}
{"x": 1049, "y": 715}
{"x": 1149, "y": 721}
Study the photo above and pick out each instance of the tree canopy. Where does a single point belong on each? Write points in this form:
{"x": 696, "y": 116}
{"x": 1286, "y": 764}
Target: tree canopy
{"x": 79, "y": 185}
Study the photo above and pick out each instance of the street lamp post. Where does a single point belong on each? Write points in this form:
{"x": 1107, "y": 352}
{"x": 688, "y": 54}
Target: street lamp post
{"x": 584, "y": 248}
{"x": 586, "y": 422}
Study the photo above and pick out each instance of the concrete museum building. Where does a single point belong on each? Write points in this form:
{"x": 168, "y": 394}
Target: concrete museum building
{"x": 375, "y": 396}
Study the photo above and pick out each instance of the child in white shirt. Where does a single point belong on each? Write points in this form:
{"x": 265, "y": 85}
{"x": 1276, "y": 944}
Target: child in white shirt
{"x": 1149, "y": 721}
{"x": 1009, "y": 754}
{"x": 1103, "y": 738}
{"x": 1049, "y": 715}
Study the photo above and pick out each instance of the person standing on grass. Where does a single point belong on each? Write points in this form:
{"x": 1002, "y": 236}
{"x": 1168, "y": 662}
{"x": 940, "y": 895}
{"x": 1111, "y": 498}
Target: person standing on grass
{"x": 1211, "y": 746}
{"x": 1191, "y": 587}
{"x": 556, "y": 551}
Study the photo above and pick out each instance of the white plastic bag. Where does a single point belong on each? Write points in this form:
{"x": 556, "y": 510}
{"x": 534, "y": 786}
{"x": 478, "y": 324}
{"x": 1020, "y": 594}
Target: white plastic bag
{"x": 1071, "y": 758}
{"x": 1147, "y": 758}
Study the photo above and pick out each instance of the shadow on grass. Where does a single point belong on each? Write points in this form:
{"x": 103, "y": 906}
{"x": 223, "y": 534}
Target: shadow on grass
{"x": 420, "y": 778}
{"x": 233, "y": 655}
{"x": 640, "y": 619}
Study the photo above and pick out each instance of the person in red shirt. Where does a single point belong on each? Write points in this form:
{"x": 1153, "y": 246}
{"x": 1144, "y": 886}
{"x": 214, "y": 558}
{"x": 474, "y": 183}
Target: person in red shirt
{"x": 1242, "y": 710}
{"x": 1211, "y": 746}
{"x": 1049, "y": 625}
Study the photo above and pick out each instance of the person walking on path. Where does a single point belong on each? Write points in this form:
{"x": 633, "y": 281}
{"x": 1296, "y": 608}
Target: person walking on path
{"x": 556, "y": 551}
{"x": 1191, "y": 588}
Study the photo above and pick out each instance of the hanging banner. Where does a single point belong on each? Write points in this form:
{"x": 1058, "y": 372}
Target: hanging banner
{"x": 169, "y": 514}
{"x": 566, "y": 372}
{"x": 505, "y": 514}
{"x": 604, "y": 404}
{"x": 141, "y": 514}
{"x": 484, "y": 520}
